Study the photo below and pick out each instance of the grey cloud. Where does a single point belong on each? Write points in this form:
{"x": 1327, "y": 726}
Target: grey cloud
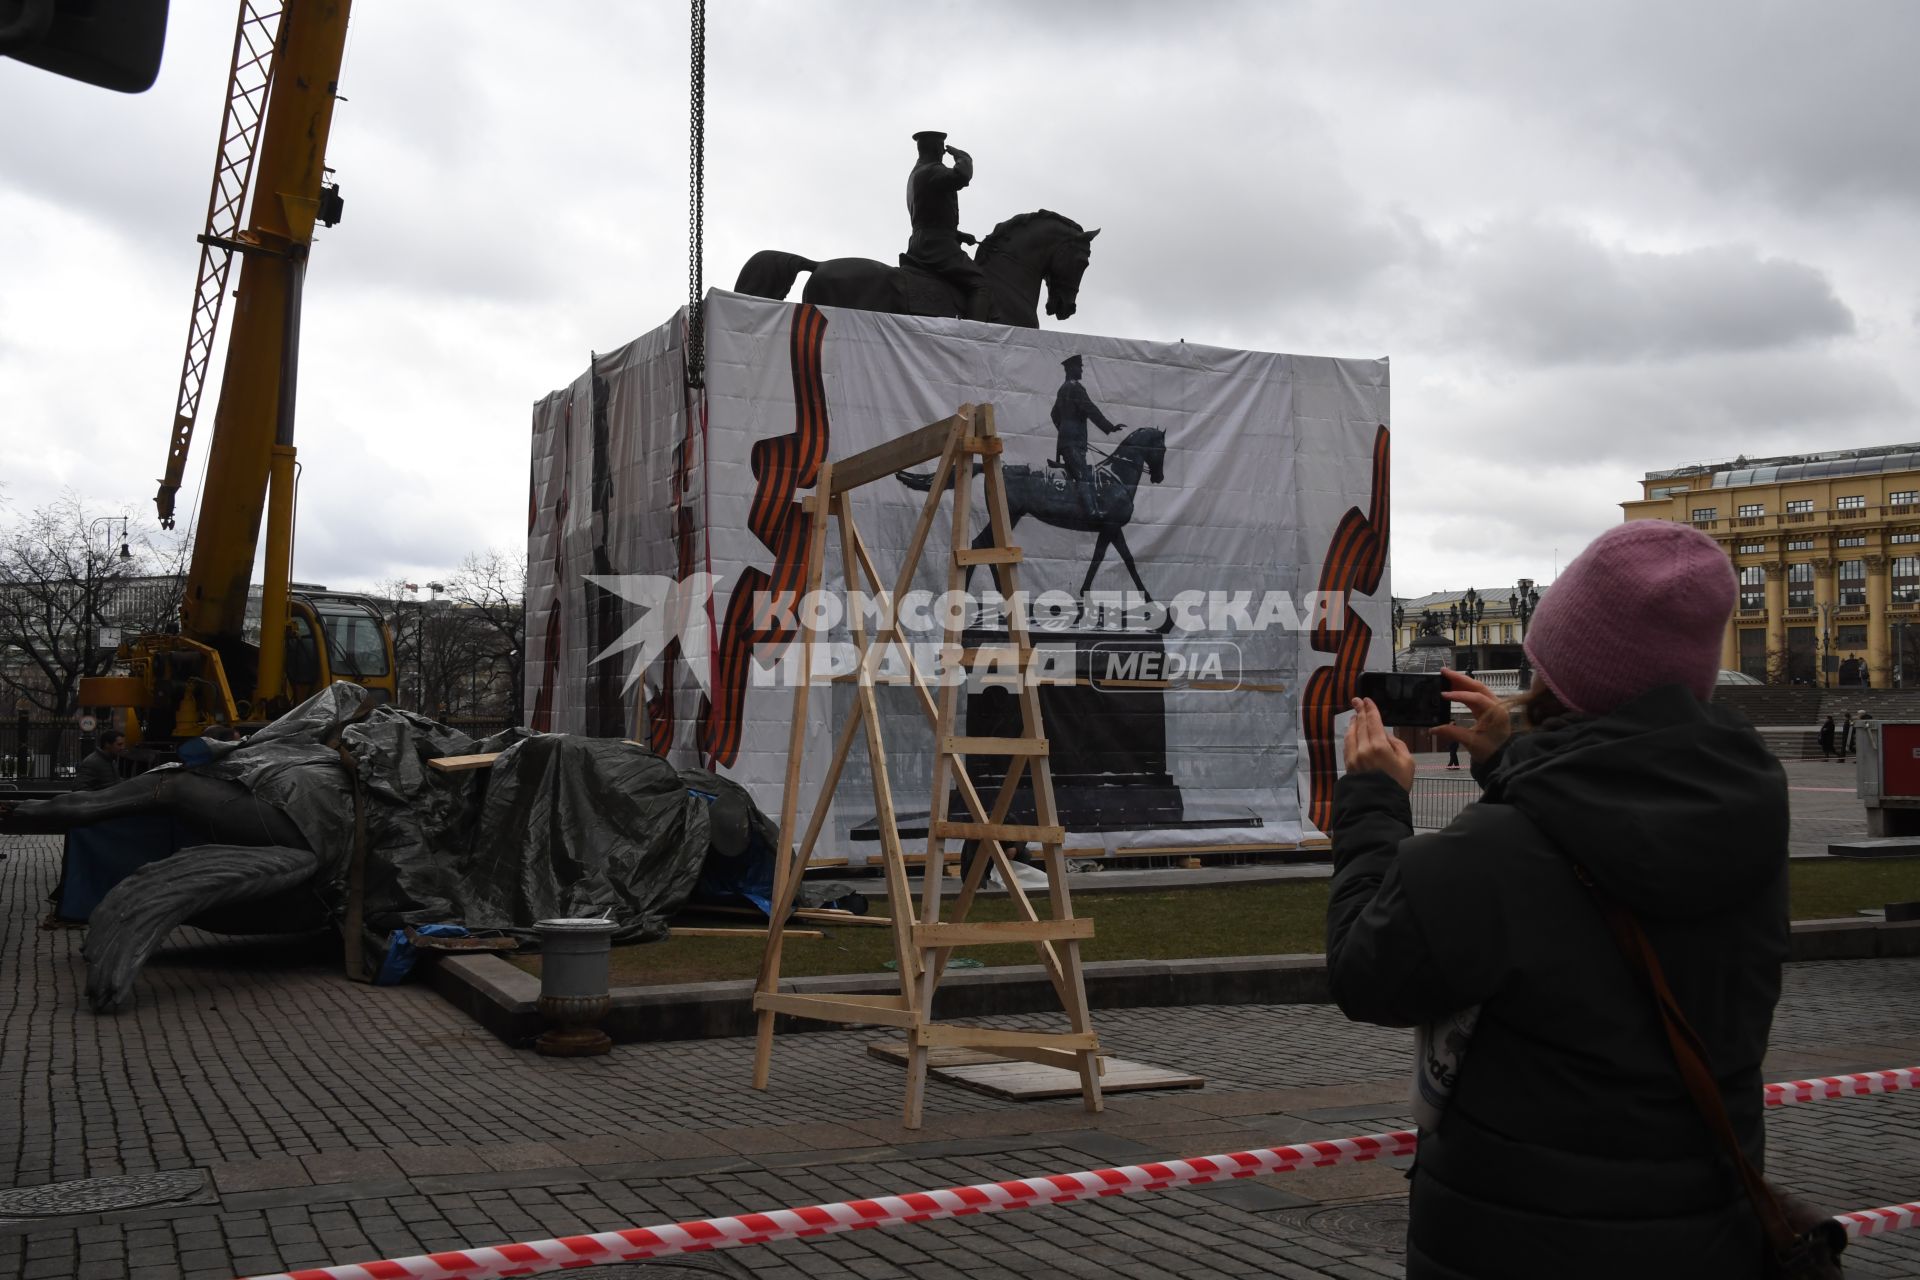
{"x": 1811, "y": 106}
{"x": 1556, "y": 295}
{"x": 1667, "y": 415}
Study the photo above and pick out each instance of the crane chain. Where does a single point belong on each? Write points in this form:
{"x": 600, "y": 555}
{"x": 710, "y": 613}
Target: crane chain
{"x": 696, "y": 200}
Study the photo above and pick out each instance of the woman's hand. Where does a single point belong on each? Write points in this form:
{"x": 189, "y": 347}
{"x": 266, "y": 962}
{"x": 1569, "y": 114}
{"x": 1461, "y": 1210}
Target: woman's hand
{"x": 1492, "y": 721}
{"x": 1370, "y": 746}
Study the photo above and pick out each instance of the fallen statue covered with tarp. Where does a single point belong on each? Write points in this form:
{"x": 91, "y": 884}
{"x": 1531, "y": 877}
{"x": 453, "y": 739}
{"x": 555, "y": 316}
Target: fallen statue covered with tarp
{"x": 331, "y": 815}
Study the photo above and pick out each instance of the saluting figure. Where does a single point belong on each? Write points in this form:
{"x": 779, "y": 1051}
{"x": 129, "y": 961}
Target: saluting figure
{"x": 933, "y": 202}
{"x": 1073, "y": 409}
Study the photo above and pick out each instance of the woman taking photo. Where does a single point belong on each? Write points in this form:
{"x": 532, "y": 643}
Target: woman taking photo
{"x": 1557, "y": 1133}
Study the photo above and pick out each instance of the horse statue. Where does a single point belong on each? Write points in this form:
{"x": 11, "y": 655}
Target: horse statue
{"x": 1020, "y": 255}
{"x": 1046, "y": 494}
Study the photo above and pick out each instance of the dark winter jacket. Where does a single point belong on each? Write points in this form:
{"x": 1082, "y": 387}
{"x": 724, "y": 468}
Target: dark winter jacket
{"x": 1570, "y": 1148}
{"x": 97, "y": 771}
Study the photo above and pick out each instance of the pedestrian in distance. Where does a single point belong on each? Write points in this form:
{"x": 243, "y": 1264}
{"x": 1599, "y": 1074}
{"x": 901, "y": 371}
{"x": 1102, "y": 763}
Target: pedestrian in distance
{"x": 1453, "y": 753}
{"x": 1846, "y": 736}
{"x": 101, "y": 768}
{"x": 1555, "y": 1121}
{"x": 1826, "y": 739}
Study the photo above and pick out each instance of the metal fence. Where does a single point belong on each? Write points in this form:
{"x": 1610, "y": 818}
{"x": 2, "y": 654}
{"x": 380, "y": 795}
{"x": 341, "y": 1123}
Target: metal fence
{"x": 1438, "y": 801}
{"x": 36, "y": 750}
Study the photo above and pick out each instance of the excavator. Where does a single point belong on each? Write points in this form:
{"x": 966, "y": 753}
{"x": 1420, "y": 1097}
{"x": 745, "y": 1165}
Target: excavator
{"x": 234, "y": 661}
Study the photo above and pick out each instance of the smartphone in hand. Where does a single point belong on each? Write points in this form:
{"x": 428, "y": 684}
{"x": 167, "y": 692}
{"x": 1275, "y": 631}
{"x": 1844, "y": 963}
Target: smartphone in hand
{"x": 1407, "y": 698}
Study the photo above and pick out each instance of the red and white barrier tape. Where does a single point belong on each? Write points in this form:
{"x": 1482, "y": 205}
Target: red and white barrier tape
{"x": 637, "y": 1244}
{"x": 1854, "y": 1086}
{"x": 1878, "y": 1222}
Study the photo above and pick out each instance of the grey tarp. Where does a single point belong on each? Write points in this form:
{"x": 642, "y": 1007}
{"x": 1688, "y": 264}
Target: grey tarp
{"x": 558, "y": 826}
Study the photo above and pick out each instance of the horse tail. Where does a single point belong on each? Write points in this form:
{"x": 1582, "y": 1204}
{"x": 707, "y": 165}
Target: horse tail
{"x": 923, "y": 480}
{"x": 770, "y": 273}
{"x": 920, "y": 480}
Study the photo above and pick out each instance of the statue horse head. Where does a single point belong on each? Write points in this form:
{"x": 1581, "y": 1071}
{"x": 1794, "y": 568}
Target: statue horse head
{"x": 1144, "y": 448}
{"x": 1030, "y": 249}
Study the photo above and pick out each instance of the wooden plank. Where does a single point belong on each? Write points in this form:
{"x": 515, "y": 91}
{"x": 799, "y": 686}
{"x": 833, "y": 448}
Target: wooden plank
{"x": 982, "y": 446}
{"x": 463, "y": 764}
{"x": 985, "y": 932}
{"x": 831, "y": 1009}
{"x": 1023, "y": 1080}
{"x": 1002, "y": 831}
{"x": 994, "y": 746}
{"x": 811, "y": 915}
{"x": 988, "y": 555}
{"x": 891, "y": 865}
{"x": 896, "y": 454}
{"x": 895, "y": 1051}
{"x": 789, "y": 861}
{"x": 933, "y": 1033}
{"x": 1026, "y": 1081}
{"x": 708, "y": 931}
{"x": 959, "y": 1056}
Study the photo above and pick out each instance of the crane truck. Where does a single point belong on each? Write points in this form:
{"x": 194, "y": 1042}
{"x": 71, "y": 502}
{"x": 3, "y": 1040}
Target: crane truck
{"x": 215, "y": 668}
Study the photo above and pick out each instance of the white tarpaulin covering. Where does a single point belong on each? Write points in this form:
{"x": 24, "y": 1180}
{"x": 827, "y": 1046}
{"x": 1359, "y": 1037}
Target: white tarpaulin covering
{"x": 1258, "y": 512}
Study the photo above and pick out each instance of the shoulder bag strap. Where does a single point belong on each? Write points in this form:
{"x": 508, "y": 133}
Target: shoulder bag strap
{"x": 1691, "y": 1056}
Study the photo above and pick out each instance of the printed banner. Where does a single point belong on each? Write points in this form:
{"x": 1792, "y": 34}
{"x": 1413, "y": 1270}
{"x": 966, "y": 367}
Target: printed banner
{"x": 1205, "y": 563}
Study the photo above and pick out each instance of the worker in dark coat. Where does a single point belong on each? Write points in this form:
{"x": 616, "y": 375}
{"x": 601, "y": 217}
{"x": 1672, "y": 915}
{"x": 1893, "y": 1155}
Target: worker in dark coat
{"x": 933, "y": 202}
{"x": 100, "y": 768}
{"x": 1565, "y": 1143}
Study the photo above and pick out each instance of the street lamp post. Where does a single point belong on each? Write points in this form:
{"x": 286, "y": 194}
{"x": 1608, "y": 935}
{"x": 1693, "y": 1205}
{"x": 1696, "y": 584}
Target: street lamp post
{"x": 1826, "y": 608}
{"x": 90, "y": 642}
{"x": 1467, "y": 613}
{"x": 1522, "y": 603}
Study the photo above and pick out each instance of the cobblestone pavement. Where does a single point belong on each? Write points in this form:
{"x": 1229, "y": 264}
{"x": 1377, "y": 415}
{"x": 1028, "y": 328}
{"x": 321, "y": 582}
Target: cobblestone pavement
{"x": 308, "y": 1120}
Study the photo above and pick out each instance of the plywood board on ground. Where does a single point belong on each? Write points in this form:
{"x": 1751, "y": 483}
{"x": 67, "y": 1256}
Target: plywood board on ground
{"x": 1030, "y": 1081}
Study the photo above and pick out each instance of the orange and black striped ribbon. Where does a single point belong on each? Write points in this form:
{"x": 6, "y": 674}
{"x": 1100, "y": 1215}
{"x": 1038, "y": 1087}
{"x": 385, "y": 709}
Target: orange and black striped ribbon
{"x": 783, "y": 465}
{"x": 1355, "y": 562}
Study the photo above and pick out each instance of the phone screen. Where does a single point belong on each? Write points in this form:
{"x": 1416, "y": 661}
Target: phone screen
{"x": 1408, "y": 698}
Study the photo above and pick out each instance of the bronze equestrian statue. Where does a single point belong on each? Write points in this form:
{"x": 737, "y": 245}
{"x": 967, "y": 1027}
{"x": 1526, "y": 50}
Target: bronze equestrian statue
{"x": 1001, "y": 284}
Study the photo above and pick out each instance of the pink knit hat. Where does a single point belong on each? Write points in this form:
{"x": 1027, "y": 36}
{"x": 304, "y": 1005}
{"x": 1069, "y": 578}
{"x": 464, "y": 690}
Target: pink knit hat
{"x": 1646, "y": 604}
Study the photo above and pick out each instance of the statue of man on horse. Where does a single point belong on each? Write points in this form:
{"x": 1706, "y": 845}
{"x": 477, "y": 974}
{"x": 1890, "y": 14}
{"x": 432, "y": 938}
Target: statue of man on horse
{"x": 1001, "y": 284}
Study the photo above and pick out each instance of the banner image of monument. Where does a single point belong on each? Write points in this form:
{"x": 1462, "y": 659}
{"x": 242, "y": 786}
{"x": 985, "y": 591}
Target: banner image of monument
{"x": 1204, "y": 540}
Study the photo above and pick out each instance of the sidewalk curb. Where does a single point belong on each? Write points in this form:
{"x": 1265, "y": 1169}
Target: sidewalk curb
{"x": 503, "y": 998}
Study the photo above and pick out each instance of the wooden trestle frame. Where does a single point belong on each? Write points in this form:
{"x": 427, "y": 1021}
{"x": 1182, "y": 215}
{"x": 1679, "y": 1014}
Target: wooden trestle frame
{"x": 922, "y": 945}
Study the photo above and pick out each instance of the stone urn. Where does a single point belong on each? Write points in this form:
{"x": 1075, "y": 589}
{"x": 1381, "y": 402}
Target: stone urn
{"x": 573, "y": 986}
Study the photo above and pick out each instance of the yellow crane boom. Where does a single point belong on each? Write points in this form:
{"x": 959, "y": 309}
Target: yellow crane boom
{"x": 281, "y": 91}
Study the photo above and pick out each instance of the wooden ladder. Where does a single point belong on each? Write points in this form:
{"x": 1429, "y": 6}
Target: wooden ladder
{"x": 923, "y": 943}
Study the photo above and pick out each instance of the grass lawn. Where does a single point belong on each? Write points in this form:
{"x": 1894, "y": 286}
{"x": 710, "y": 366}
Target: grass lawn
{"x": 1260, "y": 919}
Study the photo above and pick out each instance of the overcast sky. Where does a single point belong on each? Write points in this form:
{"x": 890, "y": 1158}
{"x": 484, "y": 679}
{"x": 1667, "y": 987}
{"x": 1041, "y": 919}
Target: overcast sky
{"x": 1593, "y": 239}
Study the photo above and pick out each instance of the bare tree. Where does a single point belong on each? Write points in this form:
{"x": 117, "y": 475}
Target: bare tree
{"x": 453, "y": 649}
{"x": 68, "y": 578}
{"x": 491, "y": 586}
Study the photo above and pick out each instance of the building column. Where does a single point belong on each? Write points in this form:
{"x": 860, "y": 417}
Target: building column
{"x": 1823, "y": 599}
{"x": 1879, "y": 593}
{"x": 1776, "y": 614}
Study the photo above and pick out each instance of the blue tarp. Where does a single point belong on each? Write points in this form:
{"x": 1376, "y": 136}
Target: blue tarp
{"x": 99, "y": 857}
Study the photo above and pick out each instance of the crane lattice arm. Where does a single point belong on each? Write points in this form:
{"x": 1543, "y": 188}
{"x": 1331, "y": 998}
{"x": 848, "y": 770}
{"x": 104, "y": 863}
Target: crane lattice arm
{"x": 256, "y": 36}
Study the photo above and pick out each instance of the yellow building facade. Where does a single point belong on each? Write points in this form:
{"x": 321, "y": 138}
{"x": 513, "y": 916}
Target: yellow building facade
{"x": 1826, "y": 548}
